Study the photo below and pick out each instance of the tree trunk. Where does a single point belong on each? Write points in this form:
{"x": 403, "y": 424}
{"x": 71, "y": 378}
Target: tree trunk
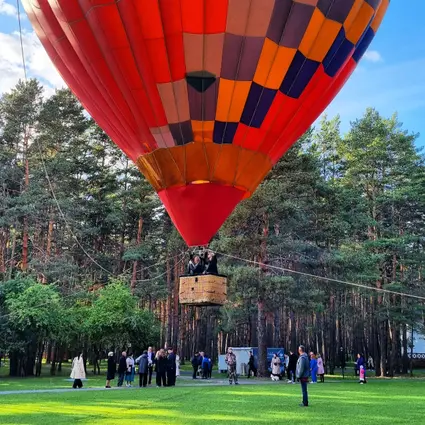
{"x": 136, "y": 263}
{"x": 169, "y": 296}
{"x": 12, "y": 254}
{"x": 261, "y": 335}
{"x": 25, "y": 226}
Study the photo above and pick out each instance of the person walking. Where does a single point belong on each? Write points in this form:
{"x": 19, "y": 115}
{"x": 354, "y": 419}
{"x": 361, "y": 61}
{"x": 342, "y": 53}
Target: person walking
{"x": 292, "y": 366}
{"x": 231, "y": 366}
{"x": 112, "y": 368}
{"x": 122, "y": 367}
{"x": 78, "y": 372}
{"x": 151, "y": 363}
{"x": 171, "y": 368}
{"x": 320, "y": 368}
{"x": 161, "y": 368}
{"x": 195, "y": 364}
{"x": 142, "y": 362}
{"x": 313, "y": 368}
{"x": 251, "y": 365}
{"x": 303, "y": 373}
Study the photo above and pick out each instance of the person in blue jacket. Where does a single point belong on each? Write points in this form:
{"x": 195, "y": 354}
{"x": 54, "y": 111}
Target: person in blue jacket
{"x": 360, "y": 361}
{"x": 313, "y": 368}
{"x": 206, "y": 367}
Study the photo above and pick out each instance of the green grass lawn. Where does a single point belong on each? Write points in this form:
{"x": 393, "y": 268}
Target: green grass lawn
{"x": 347, "y": 403}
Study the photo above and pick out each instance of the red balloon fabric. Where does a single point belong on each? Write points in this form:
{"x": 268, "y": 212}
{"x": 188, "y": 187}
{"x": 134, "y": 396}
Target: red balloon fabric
{"x": 205, "y": 96}
{"x": 200, "y": 209}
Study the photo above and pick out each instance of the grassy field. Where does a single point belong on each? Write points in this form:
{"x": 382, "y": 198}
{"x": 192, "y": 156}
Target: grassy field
{"x": 381, "y": 401}
{"x": 378, "y": 402}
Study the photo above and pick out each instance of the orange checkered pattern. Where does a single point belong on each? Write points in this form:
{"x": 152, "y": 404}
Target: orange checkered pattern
{"x": 199, "y": 91}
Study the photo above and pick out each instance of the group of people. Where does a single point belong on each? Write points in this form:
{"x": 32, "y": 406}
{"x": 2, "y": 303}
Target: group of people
{"x": 203, "y": 264}
{"x": 165, "y": 363}
{"x": 289, "y": 367}
{"x": 202, "y": 365}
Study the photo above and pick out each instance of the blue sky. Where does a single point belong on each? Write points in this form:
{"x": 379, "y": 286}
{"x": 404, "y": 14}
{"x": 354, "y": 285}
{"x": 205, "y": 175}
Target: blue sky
{"x": 391, "y": 76}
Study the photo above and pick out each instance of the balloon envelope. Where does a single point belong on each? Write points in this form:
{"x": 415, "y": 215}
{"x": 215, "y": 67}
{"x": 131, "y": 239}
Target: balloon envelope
{"x": 205, "y": 96}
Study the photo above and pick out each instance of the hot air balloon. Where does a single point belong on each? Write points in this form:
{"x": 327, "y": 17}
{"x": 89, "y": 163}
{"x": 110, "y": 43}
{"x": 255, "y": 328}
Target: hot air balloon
{"x": 205, "y": 96}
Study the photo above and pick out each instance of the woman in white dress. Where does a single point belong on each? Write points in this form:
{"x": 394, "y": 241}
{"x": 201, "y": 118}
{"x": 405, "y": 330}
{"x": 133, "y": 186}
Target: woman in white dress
{"x": 177, "y": 365}
{"x": 78, "y": 372}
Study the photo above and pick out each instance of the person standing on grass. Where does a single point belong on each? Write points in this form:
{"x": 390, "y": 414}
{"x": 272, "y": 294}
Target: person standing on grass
{"x": 129, "y": 373}
{"x": 313, "y": 368}
{"x": 151, "y": 362}
{"x": 251, "y": 365}
{"x": 210, "y": 368}
{"x": 292, "y": 366}
{"x": 143, "y": 363}
{"x": 200, "y": 363}
{"x": 342, "y": 361}
{"x": 171, "y": 368}
{"x": 112, "y": 368}
{"x": 161, "y": 368}
{"x": 320, "y": 368}
{"x": 205, "y": 366}
{"x": 78, "y": 372}
{"x": 286, "y": 365}
{"x": 122, "y": 367}
{"x": 370, "y": 363}
{"x": 177, "y": 366}
{"x": 303, "y": 373}
{"x": 195, "y": 364}
{"x": 275, "y": 367}
{"x": 231, "y": 366}
{"x": 362, "y": 375}
{"x": 360, "y": 361}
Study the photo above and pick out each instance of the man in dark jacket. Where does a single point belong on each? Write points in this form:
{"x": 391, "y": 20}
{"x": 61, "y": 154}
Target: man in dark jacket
{"x": 292, "y": 366}
{"x": 251, "y": 365}
{"x": 195, "y": 364}
{"x": 211, "y": 264}
{"x": 142, "y": 361}
{"x": 171, "y": 368}
{"x": 122, "y": 367}
{"x": 302, "y": 373}
{"x": 151, "y": 362}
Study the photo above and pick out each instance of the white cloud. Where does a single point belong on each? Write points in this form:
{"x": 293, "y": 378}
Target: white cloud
{"x": 37, "y": 62}
{"x": 372, "y": 56}
{"x": 7, "y": 9}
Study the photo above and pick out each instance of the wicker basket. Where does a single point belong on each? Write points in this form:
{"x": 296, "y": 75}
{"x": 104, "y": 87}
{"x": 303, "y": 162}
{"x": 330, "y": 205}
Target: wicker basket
{"x": 203, "y": 290}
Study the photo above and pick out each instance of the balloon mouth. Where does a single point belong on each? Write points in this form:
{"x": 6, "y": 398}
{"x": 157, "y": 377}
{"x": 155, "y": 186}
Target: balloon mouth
{"x": 199, "y": 210}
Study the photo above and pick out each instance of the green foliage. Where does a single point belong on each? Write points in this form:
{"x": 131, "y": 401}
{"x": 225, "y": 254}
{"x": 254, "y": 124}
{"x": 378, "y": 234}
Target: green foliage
{"x": 115, "y": 319}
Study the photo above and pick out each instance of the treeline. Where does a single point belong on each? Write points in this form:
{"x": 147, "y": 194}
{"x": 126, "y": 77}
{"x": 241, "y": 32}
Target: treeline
{"x": 75, "y": 215}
